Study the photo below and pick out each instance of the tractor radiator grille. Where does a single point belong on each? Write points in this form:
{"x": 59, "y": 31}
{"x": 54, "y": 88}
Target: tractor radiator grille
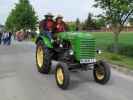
{"x": 87, "y": 48}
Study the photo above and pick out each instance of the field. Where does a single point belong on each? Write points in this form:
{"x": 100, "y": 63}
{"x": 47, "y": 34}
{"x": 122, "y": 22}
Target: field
{"x": 104, "y": 39}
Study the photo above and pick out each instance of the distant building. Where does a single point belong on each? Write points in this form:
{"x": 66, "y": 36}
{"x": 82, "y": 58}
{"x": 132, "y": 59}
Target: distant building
{"x": 1, "y": 27}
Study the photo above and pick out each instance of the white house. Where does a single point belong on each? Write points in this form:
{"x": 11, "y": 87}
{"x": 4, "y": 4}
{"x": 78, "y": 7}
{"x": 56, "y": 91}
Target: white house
{"x": 1, "y": 27}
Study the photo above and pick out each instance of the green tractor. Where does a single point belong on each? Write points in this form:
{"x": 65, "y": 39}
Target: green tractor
{"x": 73, "y": 51}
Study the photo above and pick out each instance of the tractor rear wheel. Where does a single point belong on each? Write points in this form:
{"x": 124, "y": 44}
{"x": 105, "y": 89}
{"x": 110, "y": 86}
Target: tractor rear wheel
{"x": 62, "y": 75}
{"x": 43, "y": 60}
{"x": 101, "y": 72}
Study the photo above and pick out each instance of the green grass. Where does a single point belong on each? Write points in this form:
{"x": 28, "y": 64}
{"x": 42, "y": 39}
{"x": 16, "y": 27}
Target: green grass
{"x": 103, "y": 39}
{"x": 120, "y": 60}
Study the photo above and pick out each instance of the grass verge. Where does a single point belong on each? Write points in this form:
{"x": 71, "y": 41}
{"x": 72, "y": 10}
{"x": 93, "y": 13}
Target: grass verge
{"x": 122, "y": 61}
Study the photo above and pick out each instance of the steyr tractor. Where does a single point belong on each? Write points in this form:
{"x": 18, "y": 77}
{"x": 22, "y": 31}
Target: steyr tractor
{"x": 73, "y": 51}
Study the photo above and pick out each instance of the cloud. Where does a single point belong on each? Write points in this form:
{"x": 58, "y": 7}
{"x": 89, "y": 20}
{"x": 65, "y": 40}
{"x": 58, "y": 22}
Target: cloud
{"x": 70, "y": 9}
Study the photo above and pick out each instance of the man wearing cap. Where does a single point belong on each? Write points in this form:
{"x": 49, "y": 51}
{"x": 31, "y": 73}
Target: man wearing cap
{"x": 47, "y": 25}
{"x": 60, "y": 25}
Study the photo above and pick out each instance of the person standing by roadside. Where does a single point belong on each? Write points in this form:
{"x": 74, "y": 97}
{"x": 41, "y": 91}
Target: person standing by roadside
{"x": 5, "y": 38}
{"x": 9, "y": 38}
{"x": 0, "y": 38}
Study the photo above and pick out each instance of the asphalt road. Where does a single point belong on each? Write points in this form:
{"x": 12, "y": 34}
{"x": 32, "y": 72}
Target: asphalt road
{"x": 19, "y": 80}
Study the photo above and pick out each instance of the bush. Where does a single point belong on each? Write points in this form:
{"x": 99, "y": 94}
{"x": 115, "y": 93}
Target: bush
{"x": 115, "y": 57}
{"x": 71, "y": 27}
{"x": 123, "y": 49}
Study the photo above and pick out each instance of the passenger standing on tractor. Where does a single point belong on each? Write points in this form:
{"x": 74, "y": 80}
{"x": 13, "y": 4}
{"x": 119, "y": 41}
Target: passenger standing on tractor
{"x": 47, "y": 25}
{"x": 60, "y": 25}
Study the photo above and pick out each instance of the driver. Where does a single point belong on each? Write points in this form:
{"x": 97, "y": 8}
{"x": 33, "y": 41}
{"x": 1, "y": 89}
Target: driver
{"x": 47, "y": 25}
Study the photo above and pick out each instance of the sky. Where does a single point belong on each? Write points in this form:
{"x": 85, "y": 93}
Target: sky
{"x": 70, "y": 9}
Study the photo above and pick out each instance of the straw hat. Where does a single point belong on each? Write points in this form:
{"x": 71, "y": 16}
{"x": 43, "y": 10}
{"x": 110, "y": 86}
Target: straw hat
{"x": 59, "y": 16}
{"x": 49, "y": 15}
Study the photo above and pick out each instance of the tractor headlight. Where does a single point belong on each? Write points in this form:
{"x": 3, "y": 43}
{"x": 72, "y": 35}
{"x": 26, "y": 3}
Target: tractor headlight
{"x": 52, "y": 41}
{"x": 99, "y": 51}
{"x": 71, "y": 52}
{"x": 61, "y": 45}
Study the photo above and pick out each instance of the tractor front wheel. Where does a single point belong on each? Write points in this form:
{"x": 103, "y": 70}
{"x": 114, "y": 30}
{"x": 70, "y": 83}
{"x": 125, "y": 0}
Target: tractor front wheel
{"x": 62, "y": 75}
{"x": 101, "y": 72}
{"x": 43, "y": 60}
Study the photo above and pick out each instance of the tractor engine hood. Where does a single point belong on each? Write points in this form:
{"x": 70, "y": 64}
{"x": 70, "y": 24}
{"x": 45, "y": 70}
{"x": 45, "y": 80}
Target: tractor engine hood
{"x": 82, "y": 43}
{"x": 72, "y": 35}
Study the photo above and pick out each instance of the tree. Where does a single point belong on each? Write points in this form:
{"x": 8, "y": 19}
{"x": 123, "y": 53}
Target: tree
{"x": 116, "y": 13}
{"x": 100, "y": 22}
{"x": 10, "y": 22}
{"x": 77, "y": 24}
{"x": 89, "y": 23}
{"x": 131, "y": 21}
{"x": 22, "y": 17}
{"x": 71, "y": 26}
